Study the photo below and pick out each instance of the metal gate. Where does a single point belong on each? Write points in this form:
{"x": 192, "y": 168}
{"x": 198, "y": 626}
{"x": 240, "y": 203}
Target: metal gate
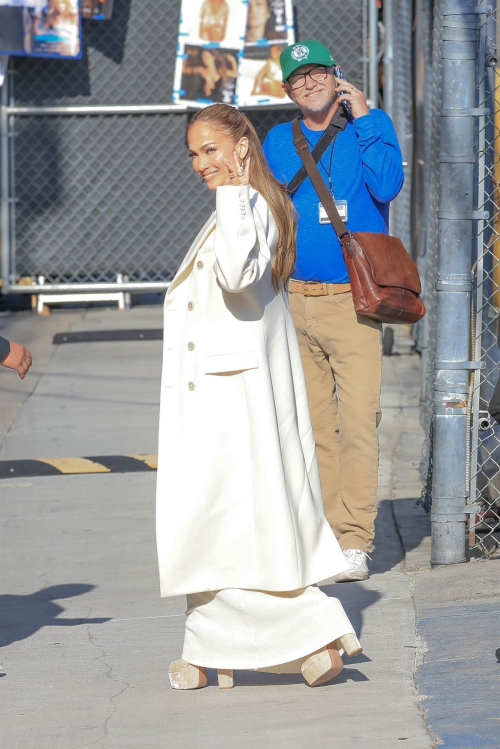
{"x": 97, "y": 192}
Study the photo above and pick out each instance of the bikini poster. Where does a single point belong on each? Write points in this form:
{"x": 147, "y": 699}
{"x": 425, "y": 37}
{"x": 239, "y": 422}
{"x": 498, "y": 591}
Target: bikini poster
{"x": 269, "y": 30}
{"x": 211, "y": 40}
{"x": 40, "y": 28}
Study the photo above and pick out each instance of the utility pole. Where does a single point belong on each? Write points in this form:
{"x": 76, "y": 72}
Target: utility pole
{"x": 373, "y": 56}
{"x": 456, "y": 215}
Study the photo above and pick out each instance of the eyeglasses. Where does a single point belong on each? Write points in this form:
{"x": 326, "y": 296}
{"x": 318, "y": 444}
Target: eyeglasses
{"x": 316, "y": 74}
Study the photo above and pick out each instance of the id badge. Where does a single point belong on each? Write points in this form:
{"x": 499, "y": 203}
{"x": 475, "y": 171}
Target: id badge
{"x": 341, "y": 206}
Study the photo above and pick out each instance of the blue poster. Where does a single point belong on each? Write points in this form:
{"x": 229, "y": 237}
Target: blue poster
{"x": 41, "y": 28}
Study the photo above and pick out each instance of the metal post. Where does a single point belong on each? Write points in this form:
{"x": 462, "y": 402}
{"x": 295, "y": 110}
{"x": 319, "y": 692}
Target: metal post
{"x": 389, "y": 58}
{"x": 4, "y": 183}
{"x": 455, "y": 215}
{"x": 373, "y": 56}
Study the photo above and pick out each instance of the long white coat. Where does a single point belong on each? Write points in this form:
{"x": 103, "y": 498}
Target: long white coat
{"x": 238, "y": 495}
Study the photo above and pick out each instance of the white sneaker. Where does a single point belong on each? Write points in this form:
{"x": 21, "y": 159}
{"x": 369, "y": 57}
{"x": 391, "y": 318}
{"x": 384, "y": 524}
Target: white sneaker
{"x": 358, "y": 567}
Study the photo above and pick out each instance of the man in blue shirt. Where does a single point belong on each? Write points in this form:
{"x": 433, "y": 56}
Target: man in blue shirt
{"x": 341, "y": 351}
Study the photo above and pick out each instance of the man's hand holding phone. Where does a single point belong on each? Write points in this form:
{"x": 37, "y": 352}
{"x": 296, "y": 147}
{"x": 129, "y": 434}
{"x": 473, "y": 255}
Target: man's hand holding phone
{"x": 352, "y": 96}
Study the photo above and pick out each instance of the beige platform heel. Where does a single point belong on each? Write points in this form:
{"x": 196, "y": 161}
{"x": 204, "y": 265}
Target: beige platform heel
{"x": 184, "y": 675}
{"x": 322, "y": 666}
{"x": 225, "y": 678}
{"x": 350, "y": 644}
{"x": 326, "y": 664}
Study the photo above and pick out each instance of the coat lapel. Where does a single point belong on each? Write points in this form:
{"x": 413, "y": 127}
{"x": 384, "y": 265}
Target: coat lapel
{"x": 186, "y": 265}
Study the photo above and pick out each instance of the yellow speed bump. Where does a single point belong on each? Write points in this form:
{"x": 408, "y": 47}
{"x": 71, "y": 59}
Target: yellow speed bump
{"x": 75, "y": 465}
{"x": 64, "y": 466}
{"x": 150, "y": 460}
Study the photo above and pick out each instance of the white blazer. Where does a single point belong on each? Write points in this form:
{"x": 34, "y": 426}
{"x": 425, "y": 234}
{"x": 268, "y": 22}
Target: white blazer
{"x": 238, "y": 493}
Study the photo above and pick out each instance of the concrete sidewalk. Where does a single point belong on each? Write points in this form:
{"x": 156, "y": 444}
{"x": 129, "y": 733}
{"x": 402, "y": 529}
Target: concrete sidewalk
{"x": 86, "y": 638}
{"x": 457, "y": 607}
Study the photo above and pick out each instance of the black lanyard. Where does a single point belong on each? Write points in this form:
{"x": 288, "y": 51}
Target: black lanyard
{"x": 339, "y": 121}
{"x": 320, "y": 162}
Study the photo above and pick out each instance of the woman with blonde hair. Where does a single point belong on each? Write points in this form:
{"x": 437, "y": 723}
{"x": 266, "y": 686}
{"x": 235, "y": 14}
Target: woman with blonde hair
{"x": 213, "y": 20}
{"x": 60, "y": 11}
{"x": 58, "y": 25}
{"x": 241, "y": 529}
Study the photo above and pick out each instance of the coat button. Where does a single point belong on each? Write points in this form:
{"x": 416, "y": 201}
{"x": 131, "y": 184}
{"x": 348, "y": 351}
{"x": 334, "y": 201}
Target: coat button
{"x": 199, "y": 265}
{"x": 190, "y": 346}
{"x": 191, "y": 385}
{"x": 190, "y": 306}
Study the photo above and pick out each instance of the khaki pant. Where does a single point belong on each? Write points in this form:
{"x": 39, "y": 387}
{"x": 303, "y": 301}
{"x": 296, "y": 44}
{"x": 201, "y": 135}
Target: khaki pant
{"x": 342, "y": 358}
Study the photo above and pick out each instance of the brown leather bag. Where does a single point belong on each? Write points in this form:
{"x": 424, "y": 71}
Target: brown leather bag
{"x": 384, "y": 279}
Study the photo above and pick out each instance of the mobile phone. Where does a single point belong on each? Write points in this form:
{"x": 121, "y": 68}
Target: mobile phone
{"x": 337, "y": 71}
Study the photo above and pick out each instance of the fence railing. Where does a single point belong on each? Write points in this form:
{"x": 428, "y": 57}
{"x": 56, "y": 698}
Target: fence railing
{"x": 484, "y": 523}
{"x": 97, "y": 192}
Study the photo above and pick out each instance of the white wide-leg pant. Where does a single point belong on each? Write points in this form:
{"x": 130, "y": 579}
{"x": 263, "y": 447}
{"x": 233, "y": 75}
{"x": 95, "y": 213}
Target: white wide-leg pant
{"x": 254, "y": 629}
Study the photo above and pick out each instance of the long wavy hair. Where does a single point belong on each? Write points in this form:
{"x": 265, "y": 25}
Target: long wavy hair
{"x": 236, "y": 125}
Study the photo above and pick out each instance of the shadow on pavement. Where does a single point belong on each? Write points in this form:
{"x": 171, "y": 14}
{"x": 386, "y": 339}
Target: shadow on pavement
{"x": 388, "y": 549}
{"x": 21, "y": 616}
{"x": 354, "y": 597}
{"x": 261, "y": 679}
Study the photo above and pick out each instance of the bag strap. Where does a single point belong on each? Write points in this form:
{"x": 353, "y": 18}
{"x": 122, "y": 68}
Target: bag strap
{"x": 300, "y": 143}
{"x": 331, "y": 132}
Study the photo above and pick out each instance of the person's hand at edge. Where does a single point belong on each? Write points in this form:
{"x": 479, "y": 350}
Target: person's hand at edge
{"x": 18, "y": 359}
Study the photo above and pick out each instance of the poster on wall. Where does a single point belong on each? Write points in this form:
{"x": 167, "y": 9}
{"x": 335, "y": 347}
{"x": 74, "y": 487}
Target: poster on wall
{"x": 96, "y": 10}
{"x": 269, "y": 30}
{"x": 211, "y": 40}
{"x": 40, "y": 28}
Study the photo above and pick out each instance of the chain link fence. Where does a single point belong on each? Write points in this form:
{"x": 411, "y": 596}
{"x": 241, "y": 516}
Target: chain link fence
{"x": 483, "y": 432}
{"x": 484, "y": 524}
{"x": 91, "y": 197}
{"x": 412, "y": 96}
{"x": 402, "y": 114}
{"x": 428, "y": 95}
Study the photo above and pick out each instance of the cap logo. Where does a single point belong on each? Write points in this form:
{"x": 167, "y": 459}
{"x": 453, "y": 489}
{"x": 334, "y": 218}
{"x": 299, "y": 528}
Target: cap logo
{"x": 300, "y": 52}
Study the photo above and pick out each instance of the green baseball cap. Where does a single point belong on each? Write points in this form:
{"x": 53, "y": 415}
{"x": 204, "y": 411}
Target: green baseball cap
{"x": 303, "y": 53}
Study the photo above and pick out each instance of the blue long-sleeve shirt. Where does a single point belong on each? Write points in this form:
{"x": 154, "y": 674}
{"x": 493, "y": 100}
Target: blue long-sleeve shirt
{"x": 367, "y": 172}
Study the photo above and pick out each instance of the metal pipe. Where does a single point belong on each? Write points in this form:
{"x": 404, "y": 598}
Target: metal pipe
{"x": 140, "y": 109}
{"x": 455, "y": 215}
{"x": 4, "y": 185}
{"x": 373, "y": 56}
{"x": 479, "y": 310}
{"x": 86, "y": 288}
{"x": 389, "y": 58}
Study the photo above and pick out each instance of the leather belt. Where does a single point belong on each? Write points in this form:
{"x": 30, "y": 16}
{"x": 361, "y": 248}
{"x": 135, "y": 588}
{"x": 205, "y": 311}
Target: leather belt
{"x": 317, "y": 288}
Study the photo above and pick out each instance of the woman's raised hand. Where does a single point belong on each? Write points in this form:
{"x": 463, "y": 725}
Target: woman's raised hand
{"x": 238, "y": 174}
